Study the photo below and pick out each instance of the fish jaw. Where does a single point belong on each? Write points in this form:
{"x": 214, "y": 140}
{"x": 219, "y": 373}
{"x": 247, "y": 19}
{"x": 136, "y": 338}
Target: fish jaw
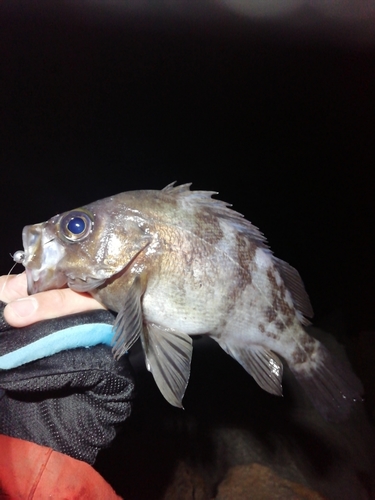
{"x": 46, "y": 279}
{"x": 43, "y": 252}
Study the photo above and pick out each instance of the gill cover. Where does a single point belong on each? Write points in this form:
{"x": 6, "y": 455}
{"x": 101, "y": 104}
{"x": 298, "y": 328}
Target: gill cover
{"x": 100, "y": 244}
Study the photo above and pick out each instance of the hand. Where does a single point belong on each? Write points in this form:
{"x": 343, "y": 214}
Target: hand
{"x": 23, "y": 310}
{"x": 72, "y": 401}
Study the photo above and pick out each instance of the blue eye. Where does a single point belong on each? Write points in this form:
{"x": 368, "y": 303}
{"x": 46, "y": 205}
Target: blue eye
{"x": 76, "y": 225}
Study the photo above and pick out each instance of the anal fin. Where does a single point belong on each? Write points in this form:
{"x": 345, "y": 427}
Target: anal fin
{"x": 262, "y": 364}
{"x": 168, "y": 357}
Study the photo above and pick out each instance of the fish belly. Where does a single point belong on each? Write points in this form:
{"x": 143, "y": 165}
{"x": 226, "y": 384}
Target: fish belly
{"x": 184, "y": 309}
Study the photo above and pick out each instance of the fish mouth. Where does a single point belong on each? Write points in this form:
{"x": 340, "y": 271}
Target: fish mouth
{"x": 32, "y": 285}
{"x": 42, "y": 256}
{"x": 43, "y": 280}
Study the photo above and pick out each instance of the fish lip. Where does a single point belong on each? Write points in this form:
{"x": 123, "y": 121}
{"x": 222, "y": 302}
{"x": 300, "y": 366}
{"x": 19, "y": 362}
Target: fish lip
{"x": 43, "y": 253}
{"x": 34, "y": 283}
{"x": 41, "y": 281}
{"x": 31, "y": 284}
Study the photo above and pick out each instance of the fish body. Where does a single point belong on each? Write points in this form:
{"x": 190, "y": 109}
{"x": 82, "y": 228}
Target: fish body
{"x": 177, "y": 263}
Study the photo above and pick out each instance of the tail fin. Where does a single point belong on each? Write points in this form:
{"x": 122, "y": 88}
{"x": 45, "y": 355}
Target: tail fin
{"x": 331, "y": 385}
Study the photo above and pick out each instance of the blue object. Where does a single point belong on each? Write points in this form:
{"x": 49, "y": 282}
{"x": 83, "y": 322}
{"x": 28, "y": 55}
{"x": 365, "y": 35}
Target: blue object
{"x": 76, "y": 225}
{"x": 84, "y": 335}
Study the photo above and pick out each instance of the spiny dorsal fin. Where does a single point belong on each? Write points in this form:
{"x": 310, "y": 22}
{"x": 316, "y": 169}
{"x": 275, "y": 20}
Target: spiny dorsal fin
{"x": 175, "y": 190}
{"x": 294, "y": 284}
{"x": 221, "y": 209}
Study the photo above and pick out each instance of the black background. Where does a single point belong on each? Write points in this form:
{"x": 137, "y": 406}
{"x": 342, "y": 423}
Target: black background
{"x": 276, "y": 116}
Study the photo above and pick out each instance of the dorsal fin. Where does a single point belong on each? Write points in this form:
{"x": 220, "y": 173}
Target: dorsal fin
{"x": 221, "y": 209}
{"x": 203, "y": 200}
{"x": 294, "y": 284}
{"x": 173, "y": 189}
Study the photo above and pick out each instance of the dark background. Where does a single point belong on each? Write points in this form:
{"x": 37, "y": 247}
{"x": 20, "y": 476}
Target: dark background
{"x": 275, "y": 113}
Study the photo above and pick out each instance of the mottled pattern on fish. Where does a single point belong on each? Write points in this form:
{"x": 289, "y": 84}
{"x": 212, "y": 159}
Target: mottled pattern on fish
{"x": 176, "y": 263}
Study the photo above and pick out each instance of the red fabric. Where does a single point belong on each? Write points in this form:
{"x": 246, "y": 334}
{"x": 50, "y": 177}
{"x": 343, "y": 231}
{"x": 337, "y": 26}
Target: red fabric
{"x": 32, "y": 472}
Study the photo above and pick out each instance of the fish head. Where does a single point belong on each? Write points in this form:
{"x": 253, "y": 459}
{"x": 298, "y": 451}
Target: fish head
{"x": 82, "y": 248}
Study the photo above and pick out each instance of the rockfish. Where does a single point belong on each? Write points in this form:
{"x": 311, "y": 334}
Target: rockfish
{"x": 177, "y": 263}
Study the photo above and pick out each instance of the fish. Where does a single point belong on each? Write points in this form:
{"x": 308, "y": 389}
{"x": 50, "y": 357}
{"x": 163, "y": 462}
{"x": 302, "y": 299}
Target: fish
{"x": 177, "y": 263}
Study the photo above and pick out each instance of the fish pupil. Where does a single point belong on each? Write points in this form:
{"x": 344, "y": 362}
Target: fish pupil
{"x": 76, "y": 225}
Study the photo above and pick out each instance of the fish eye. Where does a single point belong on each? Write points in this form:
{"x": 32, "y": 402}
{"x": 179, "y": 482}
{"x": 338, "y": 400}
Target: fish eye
{"x": 76, "y": 225}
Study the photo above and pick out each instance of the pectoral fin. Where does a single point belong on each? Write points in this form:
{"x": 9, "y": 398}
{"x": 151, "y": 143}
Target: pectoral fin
{"x": 129, "y": 322}
{"x": 263, "y": 365}
{"x": 168, "y": 357}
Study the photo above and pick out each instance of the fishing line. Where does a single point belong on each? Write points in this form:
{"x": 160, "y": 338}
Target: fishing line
{"x": 18, "y": 260}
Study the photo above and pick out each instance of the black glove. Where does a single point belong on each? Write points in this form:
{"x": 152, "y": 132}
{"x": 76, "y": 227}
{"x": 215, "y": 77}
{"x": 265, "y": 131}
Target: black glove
{"x": 72, "y": 401}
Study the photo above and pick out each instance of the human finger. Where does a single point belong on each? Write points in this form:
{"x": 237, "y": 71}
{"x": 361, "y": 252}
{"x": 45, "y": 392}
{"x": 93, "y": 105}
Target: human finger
{"x": 48, "y": 305}
{"x": 12, "y": 287}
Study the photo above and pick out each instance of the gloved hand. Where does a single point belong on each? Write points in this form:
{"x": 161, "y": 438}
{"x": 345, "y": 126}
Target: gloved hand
{"x": 72, "y": 401}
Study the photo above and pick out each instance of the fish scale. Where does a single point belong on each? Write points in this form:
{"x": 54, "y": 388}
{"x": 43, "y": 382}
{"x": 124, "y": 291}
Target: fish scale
{"x": 176, "y": 263}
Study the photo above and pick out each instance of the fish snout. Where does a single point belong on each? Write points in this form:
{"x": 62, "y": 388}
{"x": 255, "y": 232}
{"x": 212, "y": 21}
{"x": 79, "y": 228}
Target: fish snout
{"x": 42, "y": 254}
{"x": 31, "y": 239}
